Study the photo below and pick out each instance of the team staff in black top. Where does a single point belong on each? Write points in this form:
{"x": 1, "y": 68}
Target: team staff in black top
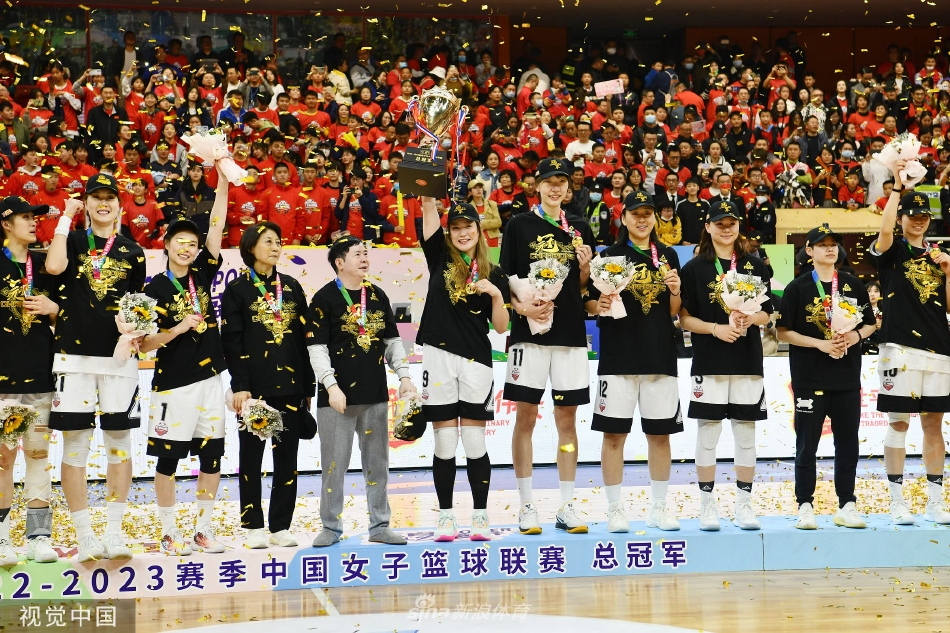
{"x": 826, "y": 373}
{"x": 727, "y": 363}
{"x": 26, "y": 355}
{"x": 263, "y": 333}
{"x": 560, "y": 353}
{"x": 96, "y": 267}
{"x": 914, "y": 364}
{"x": 637, "y": 365}
{"x": 186, "y": 407}
{"x": 466, "y": 292}
{"x": 353, "y": 329}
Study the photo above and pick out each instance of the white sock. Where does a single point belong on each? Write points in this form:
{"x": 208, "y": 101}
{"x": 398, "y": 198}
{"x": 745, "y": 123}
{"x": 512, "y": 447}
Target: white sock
{"x": 167, "y": 515}
{"x": 5, "y": 526}
{"x": 205, "y": 509}
{"x": 613, "y": 495}
{"x": 83, "y": 523}
{"x": 115, "y": 510}
{"x": 567, "y": 491}
{"x": 524, "y": 490}
{"x": 896, "y": 490}
{"x": 934, "y": 492}
{"x": 658, "y": 491}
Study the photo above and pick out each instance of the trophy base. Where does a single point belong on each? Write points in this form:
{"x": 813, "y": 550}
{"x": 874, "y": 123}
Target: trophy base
{"x": 420, "y": 175}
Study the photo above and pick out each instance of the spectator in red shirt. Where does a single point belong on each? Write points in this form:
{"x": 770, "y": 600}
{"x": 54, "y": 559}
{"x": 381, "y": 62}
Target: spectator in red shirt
{"x": 245, "y": 206}
{"x": 52, "y": 195}
{"x": 852, "y": 195}
{"x": 411, "y": 211}
{"x": 313, "y": 209}
{"x": 776, "y": 80}
{"x": 27, "y": 180}
{"x": 524, "y": 97}
{"x": 280, "y": 204}
{"x": 141, "y": 214}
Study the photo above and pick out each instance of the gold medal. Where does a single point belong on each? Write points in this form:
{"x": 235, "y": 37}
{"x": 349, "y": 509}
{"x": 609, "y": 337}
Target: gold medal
{"x": 577, "y": 241}
{"x": 470, "y": 289}
{"x": 201, "y": 327}
{"x": 278, "y": 338}
{"x": 363, "y": 341}
{"x": 664, "y": 270}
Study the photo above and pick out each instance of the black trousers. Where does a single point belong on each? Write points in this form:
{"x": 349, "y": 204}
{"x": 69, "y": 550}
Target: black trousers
{"x": 283, "y": 496}
{"x": 811, "y": 408}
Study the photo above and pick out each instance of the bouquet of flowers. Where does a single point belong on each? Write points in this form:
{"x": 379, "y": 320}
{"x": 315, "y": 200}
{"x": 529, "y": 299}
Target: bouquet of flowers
{"x": 16, "y": 419}
{"x": 795, "y": 187}
{"x": 846, "y": 314}
{"x": 212, "y": 147}
{"x": 611, "y": 275}
{"x": 744, "y": 294}
{"x": 136, "y": 318}
{"x": 409, "y": 425}
{"x": 545, "y": 278}
{"x": 904, "y": 146}
{"x": 260, "y": 419}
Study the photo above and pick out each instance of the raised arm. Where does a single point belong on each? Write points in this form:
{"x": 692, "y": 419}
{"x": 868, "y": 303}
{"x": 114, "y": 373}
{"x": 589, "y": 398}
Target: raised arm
{"x": 430, "y": 217}
{"x": 885, "y": 238}
{"x": 218, "y": 222}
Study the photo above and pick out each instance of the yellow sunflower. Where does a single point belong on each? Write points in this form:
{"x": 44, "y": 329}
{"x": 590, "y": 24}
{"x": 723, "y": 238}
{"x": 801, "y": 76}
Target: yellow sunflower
{"x": 744, "y": 286}
{"x": 258, "y": 423}
{"x": 12, "y": 423}
{"x": 613, "y": 268}
{"x": 847, "y": 307}
{"x": 547, "y": 273}
{"x": 142, "y": 312}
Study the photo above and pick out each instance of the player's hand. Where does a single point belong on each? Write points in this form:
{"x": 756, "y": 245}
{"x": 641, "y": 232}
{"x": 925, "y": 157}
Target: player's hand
{"x": 584, "y": 255}
{"x": 190, "y": 322}
{"x": 72, "y": 207}
{"x": 485, "y": 287}
{"x": 672, "y": 281}
{"x": 39, "y": 304}
{"x": 943, "y": 260}
{"x": 239, "y": 399}
{"x": 604, "y": 303}
{"x": 538, "y": 311}
{"x": 406, "y": 388}
{"x": 726, "y": 333}
{"x": 337, "y": 399}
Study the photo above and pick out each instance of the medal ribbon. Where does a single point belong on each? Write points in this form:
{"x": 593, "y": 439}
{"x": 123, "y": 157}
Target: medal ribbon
{"x": 929, "y": 249}
{"x": 653, "y": 254}
{"x": 472, "y": 268}
{"x": 732, "y": 266}
{"x": 97, "y": 259}
{"x": 826, "y": 301}
{"x": 563, "y": 221}
{"x": 349, "y": 302}
{"x": 276, "y": 308}
{"x": 27, "y": 279}
{"x": 193, "y": 293}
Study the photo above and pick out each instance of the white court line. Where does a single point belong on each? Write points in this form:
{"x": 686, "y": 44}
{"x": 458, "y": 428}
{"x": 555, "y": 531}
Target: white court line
{"x": 325, "y": 601}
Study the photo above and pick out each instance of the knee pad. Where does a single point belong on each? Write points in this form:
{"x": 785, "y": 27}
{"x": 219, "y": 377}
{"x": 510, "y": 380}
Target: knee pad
{"x": 446, "y": 442}
{"x": 36, "y": 483}
{"x": 209, "y": 465}
{"x": 743, "y": 433}
{"x": 894, "y": 438}
{"x": 166, "y": 466}
{"x": 473, "y": 441}
{"x": 76, "y": 447}
{"x": 118, "y": 446}
{"x": 707, "y": 437}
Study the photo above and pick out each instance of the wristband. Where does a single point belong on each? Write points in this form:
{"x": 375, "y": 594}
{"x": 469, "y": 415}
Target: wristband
{"x": 62, "y": 227}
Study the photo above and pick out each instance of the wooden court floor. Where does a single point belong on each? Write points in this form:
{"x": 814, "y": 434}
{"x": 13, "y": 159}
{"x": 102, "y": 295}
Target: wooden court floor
{"x": 909, "y": 600}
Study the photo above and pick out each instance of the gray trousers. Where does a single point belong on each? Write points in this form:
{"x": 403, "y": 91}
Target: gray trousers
{"x": 369, "y": 423}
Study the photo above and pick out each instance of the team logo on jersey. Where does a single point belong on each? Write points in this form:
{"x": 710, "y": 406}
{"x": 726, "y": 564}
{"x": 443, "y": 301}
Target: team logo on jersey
{"x": 804, "y": 405}
{"x": 248, "y": 207}
{"x": 161, "y": 429}
{"x": 11, "y": 139}
{"x": 888, "y": 384}
{"x": 425, "y": 394}
{"x": 282, "y": 206}
{"x": 310, "y": 205}
{"x": 76, "y": 185}
{"x": 53, "y": 212}
{"x": 602, "y": 404}
{"x": 515, "y": 372}
{"x": 150, "y": 128}
{"x": 698, "y": 386}
{"x": 926, "y": 278}
{"x": 30, "y": 187}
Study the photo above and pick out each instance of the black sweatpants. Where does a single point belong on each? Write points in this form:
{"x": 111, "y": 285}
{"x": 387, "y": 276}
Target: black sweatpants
{"x": 811, "y": 408}
{"x": 283, "y": 496}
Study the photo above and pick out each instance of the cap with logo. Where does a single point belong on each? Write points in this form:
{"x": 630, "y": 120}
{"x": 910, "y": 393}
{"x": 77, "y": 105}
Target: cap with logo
{"x": 102, "y": 181}
{"x": 12, "y": 205}
{"x": 181, "y": 225}
{"x": 914, "y": 203}
{"x": 464, "y": 211}
{"x": 637, "y": 199}
{"x": 819, "y": 233}
{"x": 720, "y": 210}
{"x": 554, "y": 167}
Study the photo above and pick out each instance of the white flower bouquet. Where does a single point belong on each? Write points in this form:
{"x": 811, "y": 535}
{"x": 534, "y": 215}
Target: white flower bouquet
{"x": 743, "y": 294}
{"x": 610, "y": 275}
{"x": 136, "y": 318}
{"x": 544, "y": 282}
{"x": 212, "y": 147}
{"x": 907, "y": 147}
{"x": 16, "y": 420}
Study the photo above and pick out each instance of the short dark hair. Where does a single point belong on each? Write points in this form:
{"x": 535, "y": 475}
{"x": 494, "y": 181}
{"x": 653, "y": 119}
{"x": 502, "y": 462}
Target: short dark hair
{"x": 340, "y": 248}
{"x": 252, "y": 235}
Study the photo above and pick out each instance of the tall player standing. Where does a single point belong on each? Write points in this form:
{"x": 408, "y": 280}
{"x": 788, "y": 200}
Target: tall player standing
{"x": 559, "y": 354}
{"x": 914, "y": 364}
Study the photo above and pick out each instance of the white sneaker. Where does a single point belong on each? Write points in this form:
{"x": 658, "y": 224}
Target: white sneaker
{"x": 283, "y": 538}
{"x": 659, "y": 517}
{"x": 90, "y": 549}
{"x": 256, "y": 539}
{"x": 937, "y": 512}
{"x": 204, "y": 541}
{"x": 447, "y": 529}
{"x": 8, "y": 555}
{"x": 41, "y": 550}
{"x": 568, "y": 520}
{"x": 745, "y": 516}
{"x": 900, "y": 513}
{"x": 848, "y": 517}
{"x": 709, "y": 514}
{"x": 806, "y": 517}
{"x": 528, "y": 521}
{"x": 173, "y": 544}
{"x": 616, "y": 520}
{"x": 480, "y": 530}
{"x": 114, "y": 545}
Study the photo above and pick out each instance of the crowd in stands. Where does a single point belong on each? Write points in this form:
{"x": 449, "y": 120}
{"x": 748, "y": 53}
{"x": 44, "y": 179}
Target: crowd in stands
{"x": 323, "y": 151}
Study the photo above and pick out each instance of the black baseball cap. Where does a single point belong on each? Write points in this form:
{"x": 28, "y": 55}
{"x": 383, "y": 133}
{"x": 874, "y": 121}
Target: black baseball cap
{"x": 754, "y": 235}
{"x": 102, "y": 181}
{"x": 914, "y": 203}
{"x": 637, "y": 199}
{"x": 762, "y": 190}
{"x": 462, "y": 210}
{"x": 819, "y": 233}
{"x": 181, "y": 225}
{"x": 720, "y": 210}
{"x": 12, "y": 205}
{"x": 554, "y": 167}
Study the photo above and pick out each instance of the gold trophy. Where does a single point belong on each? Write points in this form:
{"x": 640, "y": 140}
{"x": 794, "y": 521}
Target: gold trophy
{"x": 422, "y": 173}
